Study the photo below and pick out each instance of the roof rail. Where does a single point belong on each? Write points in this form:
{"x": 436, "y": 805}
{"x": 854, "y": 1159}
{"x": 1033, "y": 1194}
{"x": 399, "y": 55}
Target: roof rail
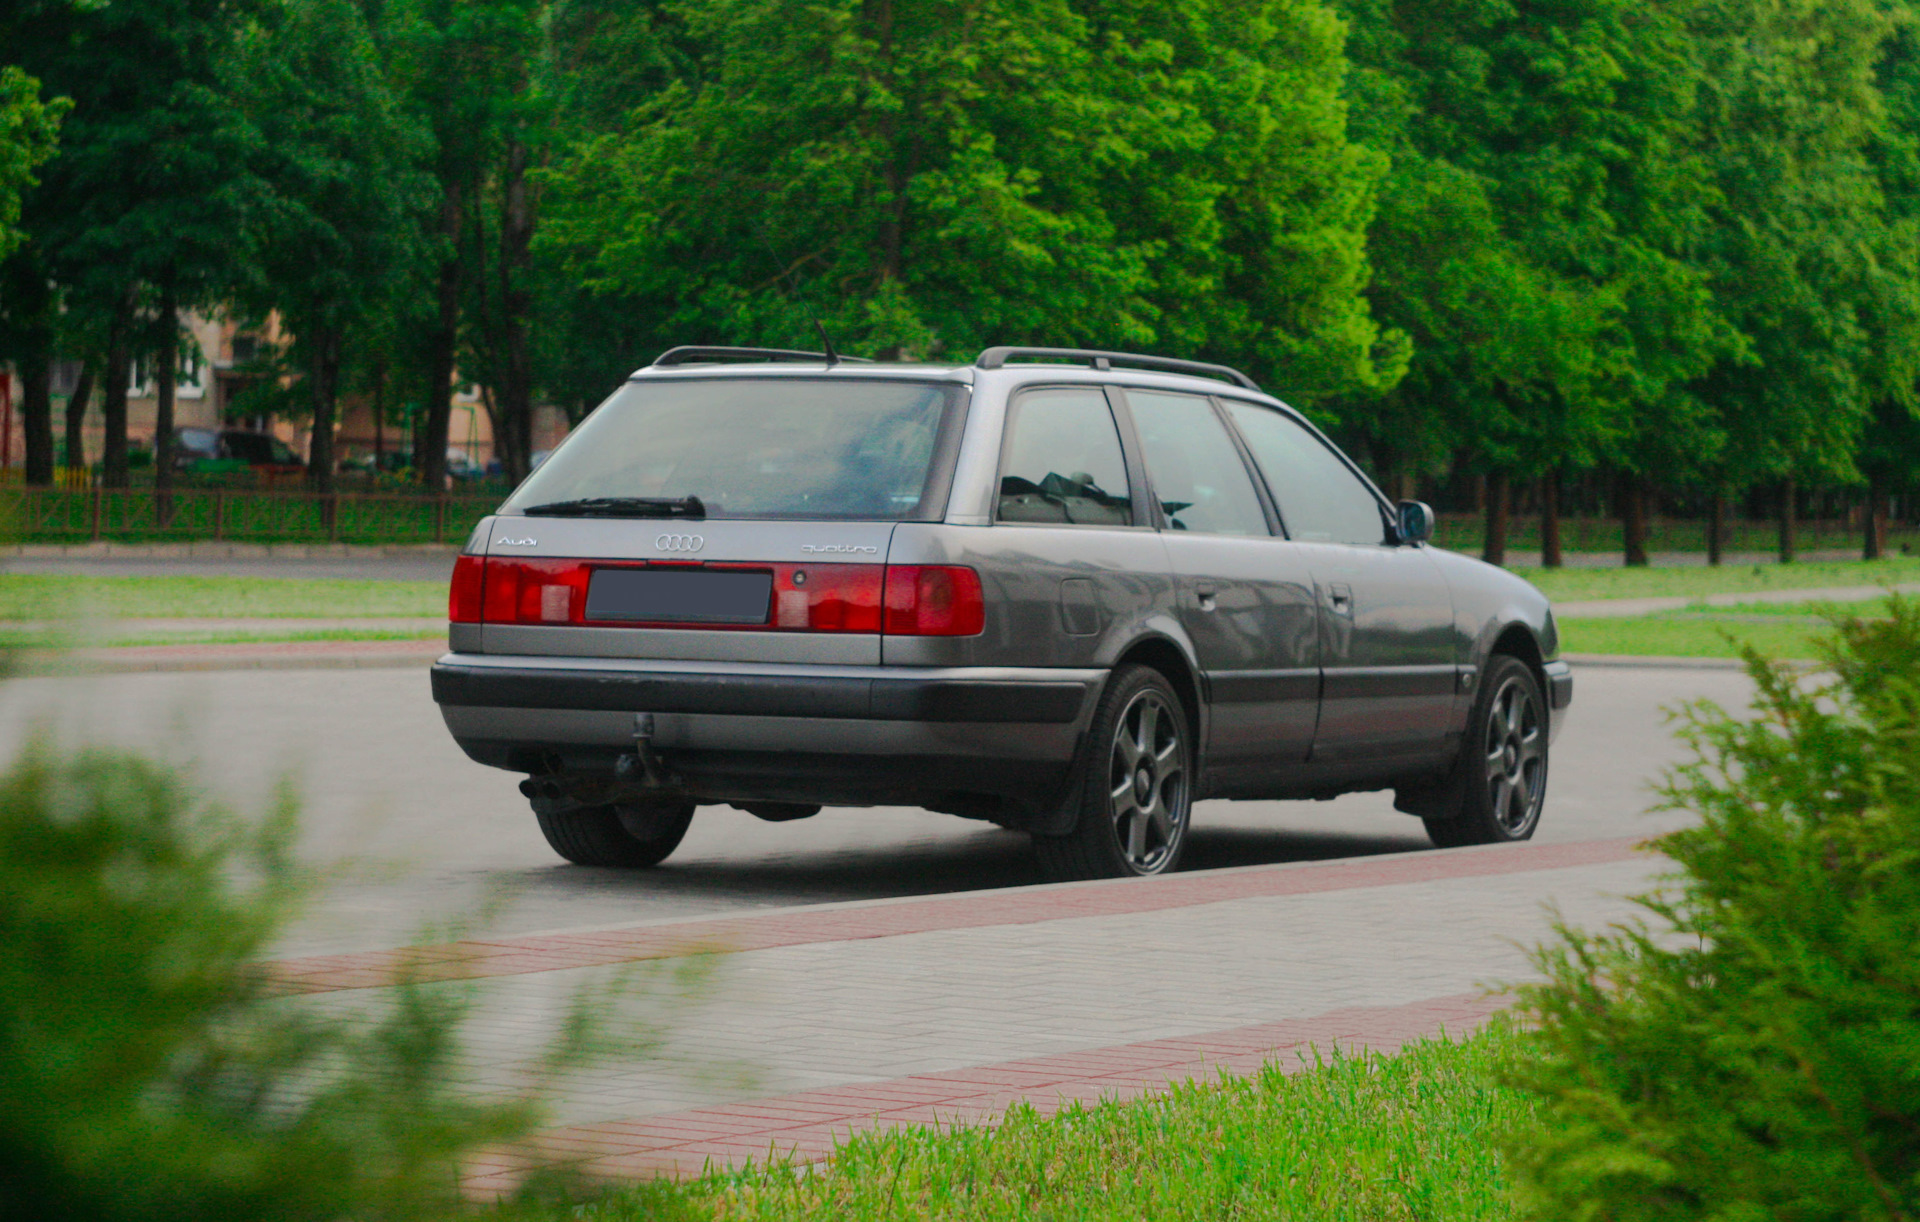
{"x": 995, "y": 358}
{"x": 693, "y": 355}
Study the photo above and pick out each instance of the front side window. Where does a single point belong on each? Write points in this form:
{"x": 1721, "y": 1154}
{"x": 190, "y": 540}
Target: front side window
{"x": 1321, "y": 499}
{"x": 1196, "y": 472}
{"x": 1064, "y": 462}
{"x": 790, "y": 447}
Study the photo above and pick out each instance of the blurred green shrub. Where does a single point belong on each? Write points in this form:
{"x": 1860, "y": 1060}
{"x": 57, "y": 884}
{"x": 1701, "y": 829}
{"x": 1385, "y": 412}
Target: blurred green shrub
{"x": 1752, "y": 1049}
{"x": 144, "y": 1070}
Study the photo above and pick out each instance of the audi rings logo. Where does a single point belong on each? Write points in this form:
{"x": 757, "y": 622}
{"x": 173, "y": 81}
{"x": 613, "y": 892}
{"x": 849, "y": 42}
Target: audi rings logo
{"x": 680, "y": 543}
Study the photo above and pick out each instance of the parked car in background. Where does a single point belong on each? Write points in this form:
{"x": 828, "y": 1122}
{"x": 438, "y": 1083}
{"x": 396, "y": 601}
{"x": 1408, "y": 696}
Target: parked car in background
{"x": 1065, "y": 591}
{"x": 216, "y": 451}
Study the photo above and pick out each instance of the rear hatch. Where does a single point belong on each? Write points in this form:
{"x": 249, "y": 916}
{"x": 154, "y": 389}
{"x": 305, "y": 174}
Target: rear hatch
{"x": 731, "y": 518}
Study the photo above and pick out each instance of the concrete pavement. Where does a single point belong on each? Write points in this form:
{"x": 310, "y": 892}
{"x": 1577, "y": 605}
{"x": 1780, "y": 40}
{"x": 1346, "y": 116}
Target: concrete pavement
{"x": 822, "y": 1021}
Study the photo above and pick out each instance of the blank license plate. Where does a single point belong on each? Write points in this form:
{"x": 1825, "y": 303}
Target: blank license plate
{"x": 679, "y": 596}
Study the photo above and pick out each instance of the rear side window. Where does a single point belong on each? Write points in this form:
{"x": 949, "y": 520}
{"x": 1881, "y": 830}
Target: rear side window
{"x": 1063, "y": 462}
{"x": 1321, "y": 499}
{"x": 835, "y": 448}
{"x": 1196, "y": 471}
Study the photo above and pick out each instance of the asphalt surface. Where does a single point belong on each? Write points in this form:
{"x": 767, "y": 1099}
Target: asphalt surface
{"x": 409, "y": 835}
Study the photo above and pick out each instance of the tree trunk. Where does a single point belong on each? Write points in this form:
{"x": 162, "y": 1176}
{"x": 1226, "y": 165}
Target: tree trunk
{"x": 1716, "y": 528}
{"x": 1875, "y": 544}
{"x": 1787, "y": 491}
{"x": 77, "y": 418}
{"x": 36, "y": 418}
{"x": 430, "y": 440}
{"x": 1494, "y": 546}
{"x": 1633, "y": 520}
{"x": 1551, "y": 555}
{"x": 379, "y": 419}
{"x": 113, "y": 404}
{"x": 513, "y": 442}
{"x": 166, "y": 362}
{"x": 323, "y": 379}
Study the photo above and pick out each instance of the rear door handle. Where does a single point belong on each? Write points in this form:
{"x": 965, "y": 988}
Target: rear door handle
{"x": 1342, "y": 599}
{"x": 1207, "y": 593}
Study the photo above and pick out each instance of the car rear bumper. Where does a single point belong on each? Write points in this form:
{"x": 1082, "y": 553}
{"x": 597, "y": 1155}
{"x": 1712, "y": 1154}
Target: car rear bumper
{"x": 770, "y": 731}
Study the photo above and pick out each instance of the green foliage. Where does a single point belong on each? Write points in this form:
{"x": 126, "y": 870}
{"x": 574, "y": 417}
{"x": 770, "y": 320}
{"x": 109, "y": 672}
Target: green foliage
{"x": 1753, "y": 1049}
{"x": 936, "y": 178}
{"x": 143, "y": 1074}
{"x": 146, "y": 1071}
{"x": 1355, "y": 1138}
{"x": 27, "y": 129}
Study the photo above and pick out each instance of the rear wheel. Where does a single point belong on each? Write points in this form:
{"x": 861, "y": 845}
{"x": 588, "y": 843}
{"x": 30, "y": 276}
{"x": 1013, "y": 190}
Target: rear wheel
{"x": 1136, "y": 786}
{"x": 1500, "y": 781}
{"x": 624, "y": 837}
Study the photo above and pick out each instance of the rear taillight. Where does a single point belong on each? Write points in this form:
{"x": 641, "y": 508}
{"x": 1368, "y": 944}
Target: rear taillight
{"x": 463, "y": 600}
{"x": 934, "y": 600}
{"x": 902, "y": 600}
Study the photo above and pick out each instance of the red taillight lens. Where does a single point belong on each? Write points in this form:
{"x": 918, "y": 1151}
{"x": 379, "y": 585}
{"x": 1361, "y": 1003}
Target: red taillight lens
{"x": 934, "y": 600}
{"x": 534, "y": 592}
{"x": 463, "y": 600}
{"x": 827, "y": 597}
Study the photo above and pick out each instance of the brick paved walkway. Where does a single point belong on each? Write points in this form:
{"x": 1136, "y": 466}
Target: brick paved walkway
{"x": 825, "y": 1020}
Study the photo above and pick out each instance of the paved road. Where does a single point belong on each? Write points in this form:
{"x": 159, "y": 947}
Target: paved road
{"x": 417, "y": 833}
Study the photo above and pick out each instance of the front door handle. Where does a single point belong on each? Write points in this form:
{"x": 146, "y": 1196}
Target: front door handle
{"x": 1342, "y": 599}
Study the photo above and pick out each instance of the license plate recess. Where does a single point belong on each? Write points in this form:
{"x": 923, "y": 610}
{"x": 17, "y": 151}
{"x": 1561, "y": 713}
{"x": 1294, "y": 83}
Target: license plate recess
{"x": 680, "y": 596}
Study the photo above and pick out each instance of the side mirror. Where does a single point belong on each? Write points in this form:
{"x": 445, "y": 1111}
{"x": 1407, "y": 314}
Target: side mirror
{"x": 1416, "y": 522}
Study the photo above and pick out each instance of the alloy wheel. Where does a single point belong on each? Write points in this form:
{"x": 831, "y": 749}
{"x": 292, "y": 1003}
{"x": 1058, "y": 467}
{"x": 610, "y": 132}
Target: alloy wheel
{"x": 1148, "y": 782}
{"x": 1516, "y": 747}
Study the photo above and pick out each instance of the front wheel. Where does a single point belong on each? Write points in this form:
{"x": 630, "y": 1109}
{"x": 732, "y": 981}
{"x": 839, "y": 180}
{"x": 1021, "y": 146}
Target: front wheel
{"x": 1136, "y": 786}
{"x": 623, "y": 837}
{"x": 1500, "y": 781}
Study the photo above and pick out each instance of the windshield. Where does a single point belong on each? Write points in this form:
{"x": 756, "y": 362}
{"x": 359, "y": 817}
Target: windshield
{"x": 756, "y": 448}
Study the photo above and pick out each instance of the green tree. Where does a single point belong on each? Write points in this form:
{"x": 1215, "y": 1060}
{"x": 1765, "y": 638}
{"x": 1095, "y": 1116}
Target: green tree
{"x": 136, "y": 214}
{"x": 1800, "y": 252}
{"x": 1532, "y": 232}
{"x": 28, "y": 127}
{"x": 936, "y": 178}
{"x": 338, "y": 235}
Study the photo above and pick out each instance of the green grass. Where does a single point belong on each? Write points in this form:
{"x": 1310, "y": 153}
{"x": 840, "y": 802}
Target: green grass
{"x": 1576, "y": 584}
{"x": 68, "y": 640}
{"x": 1689, "y": 637}
{"x": 1362, "y": 1138}
{"x": 46, "y": 597}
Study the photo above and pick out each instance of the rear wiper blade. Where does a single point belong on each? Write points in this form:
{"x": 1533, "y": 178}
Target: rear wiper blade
{"x": 623, "y": 507}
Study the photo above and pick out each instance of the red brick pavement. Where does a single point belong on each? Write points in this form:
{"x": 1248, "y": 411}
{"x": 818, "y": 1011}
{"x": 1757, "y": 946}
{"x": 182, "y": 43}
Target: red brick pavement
{"x": 805, "y": 1127}
{"x": 488, "y": 957}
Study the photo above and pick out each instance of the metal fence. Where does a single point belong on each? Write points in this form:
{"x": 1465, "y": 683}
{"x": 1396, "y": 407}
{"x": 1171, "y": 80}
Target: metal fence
{"x": 60, "y": 515}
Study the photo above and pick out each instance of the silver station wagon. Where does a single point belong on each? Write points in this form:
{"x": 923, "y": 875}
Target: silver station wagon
{"x": 1069, "y": 592}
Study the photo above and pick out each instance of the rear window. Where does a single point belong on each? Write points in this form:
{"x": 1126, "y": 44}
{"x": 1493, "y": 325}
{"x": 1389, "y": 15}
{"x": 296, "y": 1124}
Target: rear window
{"x": 759, "y": 448}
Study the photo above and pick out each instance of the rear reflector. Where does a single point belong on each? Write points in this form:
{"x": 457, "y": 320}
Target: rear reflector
{"x": 902, "y": 600}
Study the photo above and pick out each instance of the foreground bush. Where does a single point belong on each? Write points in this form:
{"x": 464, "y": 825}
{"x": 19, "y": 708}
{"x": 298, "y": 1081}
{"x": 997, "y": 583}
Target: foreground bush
{"x": 1752, "y": 1049}
{"x": 143, "y": 1073}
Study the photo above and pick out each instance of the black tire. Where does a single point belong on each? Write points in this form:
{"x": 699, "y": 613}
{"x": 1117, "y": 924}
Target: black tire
{"x": 1500, "y": 781}
{"x": 1135, "y": 786}
{"x": 627, "y": 838}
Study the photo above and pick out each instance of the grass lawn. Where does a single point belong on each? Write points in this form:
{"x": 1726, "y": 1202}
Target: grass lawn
{"x": 44, "y": 597}
{"x": 1569, "y": 584}
{"x": 1684, "y": 635}
{"x": 1409, "y": 1136}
